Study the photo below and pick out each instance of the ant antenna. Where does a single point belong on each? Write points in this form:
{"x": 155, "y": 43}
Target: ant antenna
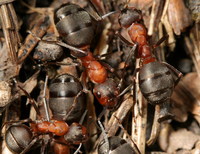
{"x": 32, "y": 101}
{"x": 71, "y": 47}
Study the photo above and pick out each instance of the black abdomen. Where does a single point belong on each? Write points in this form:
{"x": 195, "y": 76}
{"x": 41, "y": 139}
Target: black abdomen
{"x": 63, "y": 90}
{"x": 156, "y": 82}
{"x": 75, "y": 25}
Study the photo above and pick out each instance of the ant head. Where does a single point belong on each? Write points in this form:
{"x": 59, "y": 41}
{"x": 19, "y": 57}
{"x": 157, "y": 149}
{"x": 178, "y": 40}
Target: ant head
{"x": 106, "y": 93}
{"x": 77, "y": 134}
{"x": 129, "y": 15}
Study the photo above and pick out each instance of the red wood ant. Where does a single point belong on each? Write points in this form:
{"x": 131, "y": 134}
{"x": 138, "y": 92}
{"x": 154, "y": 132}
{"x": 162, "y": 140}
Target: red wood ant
{"x": 20, "y": 138}
{"x": 80, "y": 37}
{"x": 156, "y": 79}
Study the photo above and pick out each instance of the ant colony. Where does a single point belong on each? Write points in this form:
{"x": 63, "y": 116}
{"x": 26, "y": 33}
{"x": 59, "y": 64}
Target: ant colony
{"x": 97, "y": 77}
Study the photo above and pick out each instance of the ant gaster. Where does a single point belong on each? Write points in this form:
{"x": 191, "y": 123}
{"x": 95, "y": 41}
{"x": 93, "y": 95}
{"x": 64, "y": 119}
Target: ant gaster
{"x": 156, "y": 79}
{"x": 63, "y": 92}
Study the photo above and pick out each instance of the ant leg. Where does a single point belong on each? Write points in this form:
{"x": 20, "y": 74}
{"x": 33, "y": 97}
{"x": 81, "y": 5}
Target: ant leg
{"x": 29, "y": 146}
{"x": 17, "y": 122}
{"x": 106, "y": 65}
{"x": 125, "y": 90}
{"x": 123, "y": 39}
{"x": 101, "y": 114}
{"x": 32, "y": 101}
{"x": 73, "y": 105}
{"x": 160, "y": 41}
{"x": 46, "y": 105}
{"x": 110, "y": 68}
{"x": 44, "y": 146}
{"x": 84, "y": 82}
{"x": 177, "y": 73}
{"x": 155, "y": 128}
{"x": 78, "y": 149}
{"x": 51, "y": 18}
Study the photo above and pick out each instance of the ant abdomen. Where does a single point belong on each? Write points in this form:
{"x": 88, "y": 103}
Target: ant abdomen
{"x": 18, "y": 137}
{"x": 75, "y": 25}
{"x": 77, "y": 134}
{"x": 63, "y": 92}
{"x": 156, "y": 82}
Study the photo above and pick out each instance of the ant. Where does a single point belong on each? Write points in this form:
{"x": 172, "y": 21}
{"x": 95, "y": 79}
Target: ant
{"x": 76, "y": 28}
{"x": 156, "y": 79}
{"x": 20, "y": 138}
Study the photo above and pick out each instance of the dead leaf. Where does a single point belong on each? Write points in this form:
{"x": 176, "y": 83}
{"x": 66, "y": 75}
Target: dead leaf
{"x": 179, "y": 16}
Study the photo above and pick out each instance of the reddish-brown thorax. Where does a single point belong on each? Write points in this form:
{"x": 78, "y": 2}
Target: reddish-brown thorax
{"x": 58, "y": 128}
{"x": 95, "y": 70}
{"x": 138, "y": 34}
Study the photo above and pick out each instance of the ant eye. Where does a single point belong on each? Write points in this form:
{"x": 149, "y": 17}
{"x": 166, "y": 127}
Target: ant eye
{"x": 98, "y": 94}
